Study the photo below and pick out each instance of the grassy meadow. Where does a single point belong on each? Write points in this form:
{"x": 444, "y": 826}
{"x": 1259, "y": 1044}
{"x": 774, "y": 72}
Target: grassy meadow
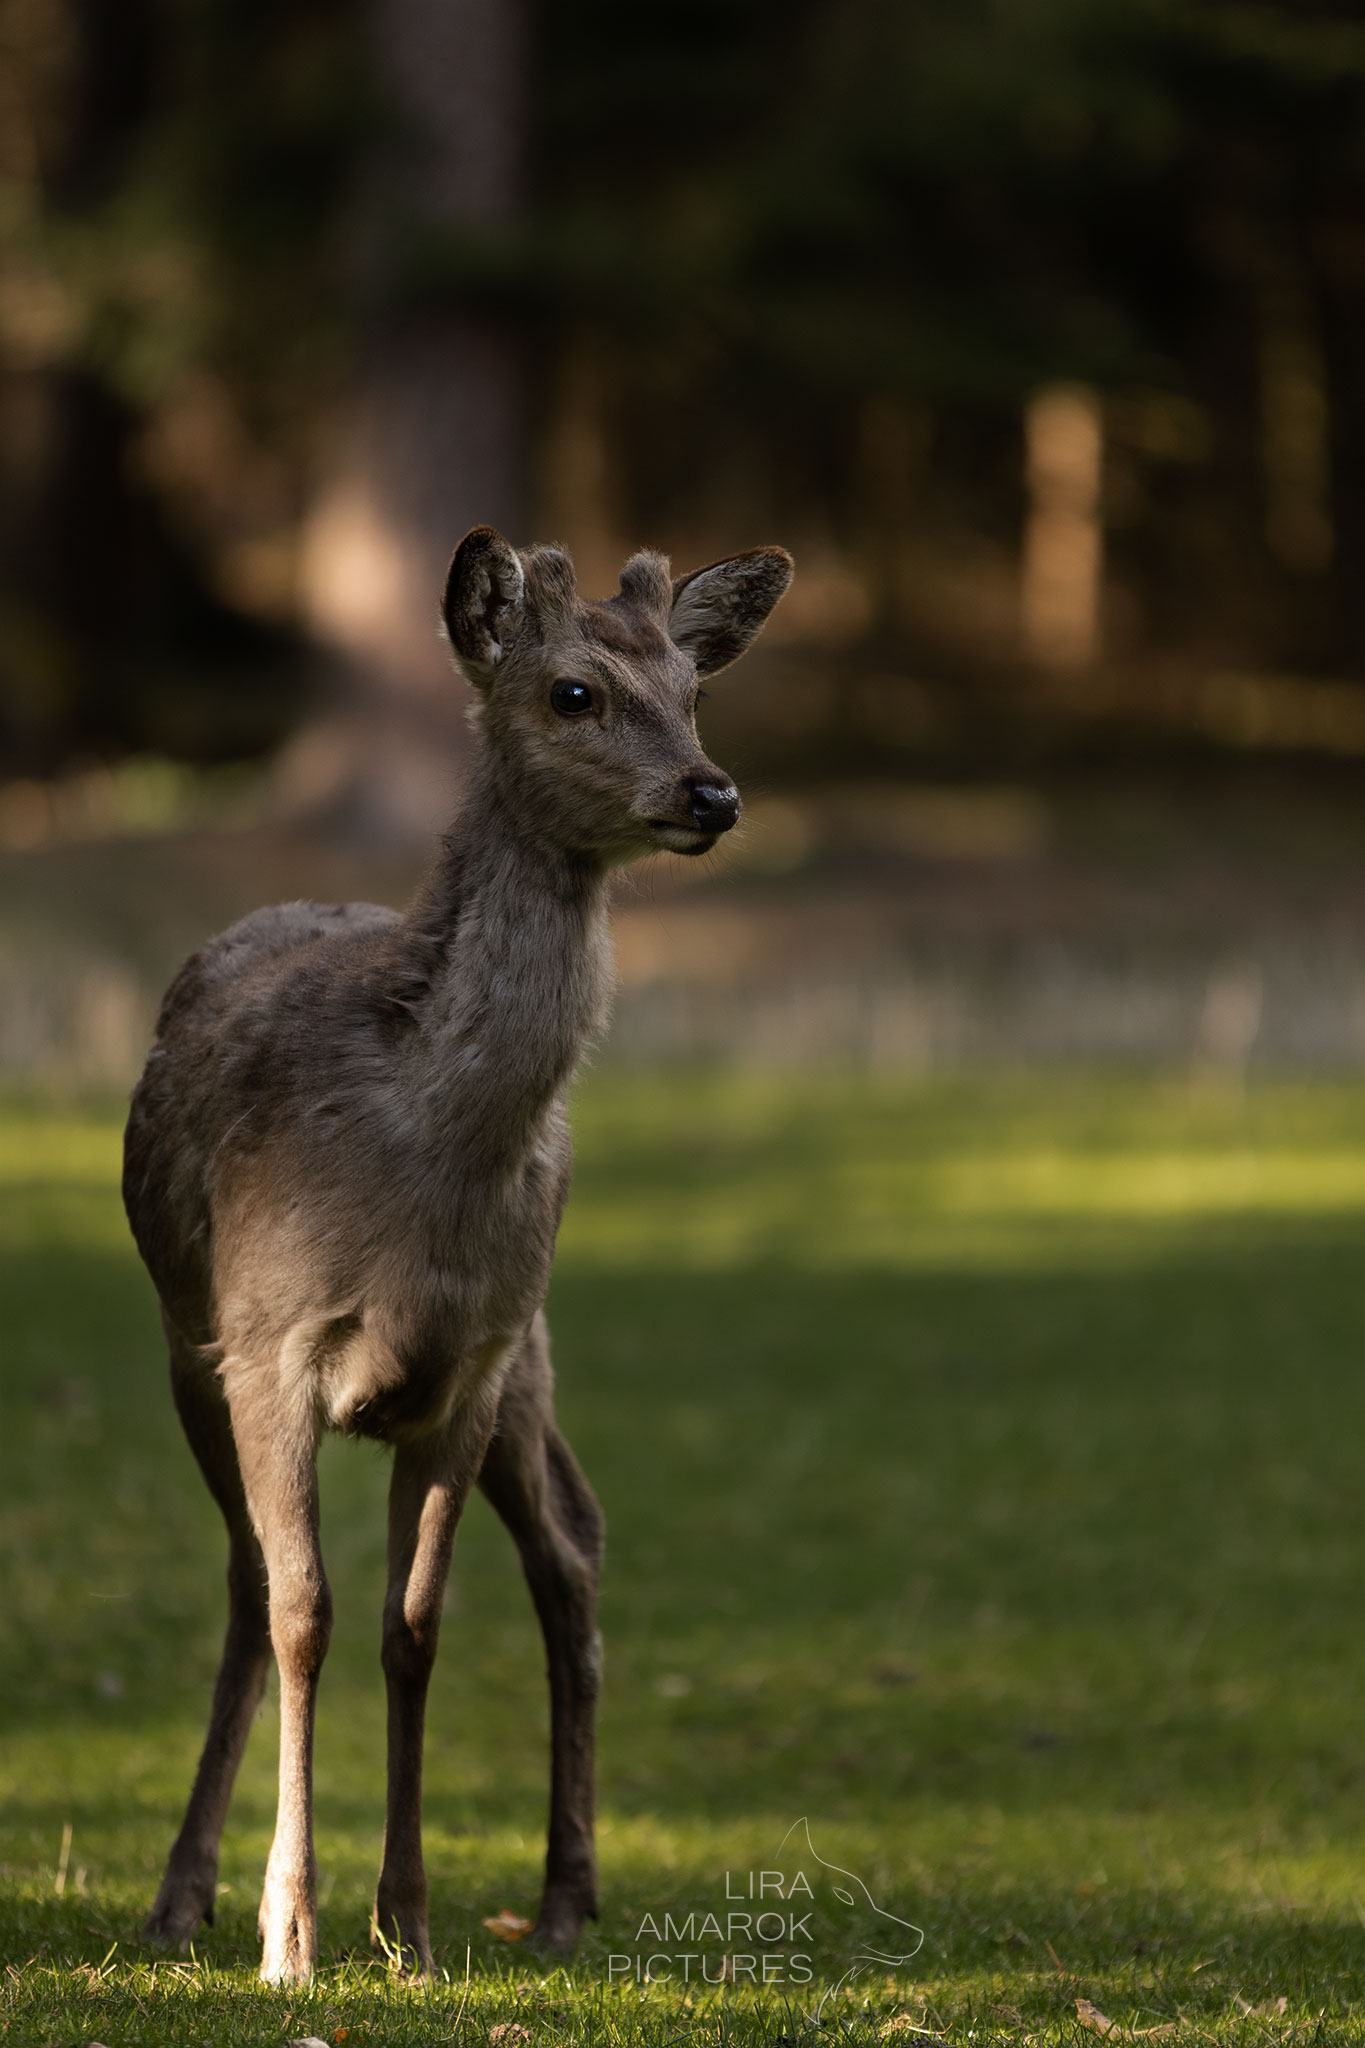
{"x": 984, "y": 1466}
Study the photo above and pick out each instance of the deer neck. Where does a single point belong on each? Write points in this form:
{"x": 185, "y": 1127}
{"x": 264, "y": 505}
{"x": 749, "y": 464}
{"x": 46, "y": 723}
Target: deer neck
{"x": 510, "y": 961}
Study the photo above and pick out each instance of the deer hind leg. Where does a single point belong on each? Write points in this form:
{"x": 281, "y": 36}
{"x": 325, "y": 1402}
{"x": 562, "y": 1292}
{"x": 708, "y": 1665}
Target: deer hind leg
{"x": 533, "y": 1480}
{"x": 277, "y": 1450}
{"x": 431, "y": 1481}
{"x": 187, "y": 1890}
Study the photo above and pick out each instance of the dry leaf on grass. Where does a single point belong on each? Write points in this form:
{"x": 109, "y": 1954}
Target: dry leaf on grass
{"x": 509, "y": 2032}
{"x": 1100, "y": 2023}
{"x": 507, "y": 1925}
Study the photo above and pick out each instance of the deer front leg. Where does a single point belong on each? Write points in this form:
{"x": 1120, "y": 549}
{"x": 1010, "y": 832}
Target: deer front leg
{"x": 431, "y": 1479}
{"x": 278, "y": 1455}
{"x": 186, "y": 1894}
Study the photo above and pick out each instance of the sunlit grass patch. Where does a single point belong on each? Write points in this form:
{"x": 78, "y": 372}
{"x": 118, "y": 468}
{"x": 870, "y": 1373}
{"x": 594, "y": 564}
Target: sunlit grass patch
{"x": 724, "y": 1171}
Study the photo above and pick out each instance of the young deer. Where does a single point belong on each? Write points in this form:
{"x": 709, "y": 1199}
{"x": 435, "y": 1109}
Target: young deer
{"x": 345, "y": 1166}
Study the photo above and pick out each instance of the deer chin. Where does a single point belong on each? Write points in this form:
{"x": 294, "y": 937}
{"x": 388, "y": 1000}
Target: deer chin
{"x": 678, "y": 838}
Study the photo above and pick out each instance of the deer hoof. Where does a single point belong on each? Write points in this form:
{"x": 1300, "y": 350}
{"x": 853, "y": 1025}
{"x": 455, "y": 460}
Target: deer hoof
{"x": 405, "y": 1943}
{"x": 557, "y": 1928}
{"x": 179, "y": 1912}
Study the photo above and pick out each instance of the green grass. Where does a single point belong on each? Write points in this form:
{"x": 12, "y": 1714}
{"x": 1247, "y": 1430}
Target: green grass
{"x": 984, "y": 1464}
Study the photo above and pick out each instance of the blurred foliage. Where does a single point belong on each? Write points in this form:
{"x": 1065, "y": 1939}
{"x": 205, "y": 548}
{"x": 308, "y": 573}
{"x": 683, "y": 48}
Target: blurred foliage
{"x": 173, "y": 181}
{"x": 942, "y": 207}
{"x": 818, "y": 255}
{"x": 176, "y": 189}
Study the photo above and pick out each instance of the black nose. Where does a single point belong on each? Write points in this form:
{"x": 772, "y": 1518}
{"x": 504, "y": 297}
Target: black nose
{"x": 714, "y": 805}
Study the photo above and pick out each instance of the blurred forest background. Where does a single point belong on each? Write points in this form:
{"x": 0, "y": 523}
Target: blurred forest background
{"x": 1035, "y": 329}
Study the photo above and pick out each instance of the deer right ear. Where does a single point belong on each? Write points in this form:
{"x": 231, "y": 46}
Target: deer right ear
{"x": 484, "y": 602}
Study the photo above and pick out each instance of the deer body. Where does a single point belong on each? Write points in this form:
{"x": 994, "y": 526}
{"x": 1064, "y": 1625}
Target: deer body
{"x": 307, "y": 1045}
{"x": 345, "y": 1167}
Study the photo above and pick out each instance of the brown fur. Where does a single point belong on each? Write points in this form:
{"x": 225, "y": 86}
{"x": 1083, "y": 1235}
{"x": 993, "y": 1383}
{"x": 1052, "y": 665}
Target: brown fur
{"x": 345, "y": 1166}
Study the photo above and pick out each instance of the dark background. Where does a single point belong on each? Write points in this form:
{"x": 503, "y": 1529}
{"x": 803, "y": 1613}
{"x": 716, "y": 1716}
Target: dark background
{"x": 1036, "y": 329}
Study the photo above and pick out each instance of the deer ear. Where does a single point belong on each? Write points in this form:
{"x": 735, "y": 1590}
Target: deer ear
{"x": 484, "y": 602}
{"x": 718, "y": 610}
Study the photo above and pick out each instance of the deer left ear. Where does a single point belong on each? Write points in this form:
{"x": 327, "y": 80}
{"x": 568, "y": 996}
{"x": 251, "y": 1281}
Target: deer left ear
{"x": 717, "y": 611}
{"x": 484, "y": 602}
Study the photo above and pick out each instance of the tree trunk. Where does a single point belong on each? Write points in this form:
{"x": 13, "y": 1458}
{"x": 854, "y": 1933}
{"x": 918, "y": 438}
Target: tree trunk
{"x": 1343, "y": 312}
{"x": 430, "y": 442}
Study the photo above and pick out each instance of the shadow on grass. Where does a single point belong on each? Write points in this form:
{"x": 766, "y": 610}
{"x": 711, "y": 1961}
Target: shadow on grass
{"x": 1021, "y": 1539}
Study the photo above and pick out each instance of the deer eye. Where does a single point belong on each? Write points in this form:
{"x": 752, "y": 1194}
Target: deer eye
{"x": 571, "y": 700}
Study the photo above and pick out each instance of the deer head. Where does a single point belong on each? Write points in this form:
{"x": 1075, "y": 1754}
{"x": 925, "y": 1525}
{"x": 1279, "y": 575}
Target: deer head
{"x": 589, "y": 709}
